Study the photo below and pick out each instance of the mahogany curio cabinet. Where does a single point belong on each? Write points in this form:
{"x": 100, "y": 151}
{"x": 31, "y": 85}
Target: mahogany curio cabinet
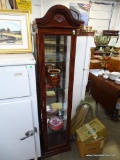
{"x": 55, "y": 47}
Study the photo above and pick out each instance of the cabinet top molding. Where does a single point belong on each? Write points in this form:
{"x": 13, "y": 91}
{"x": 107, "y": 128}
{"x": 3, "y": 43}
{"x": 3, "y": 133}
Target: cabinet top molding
{"x": 58, "y": 16}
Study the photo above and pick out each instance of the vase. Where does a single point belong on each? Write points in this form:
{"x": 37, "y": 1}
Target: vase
{"x": 54, "y": 77}
{"x": 47, "y": 67}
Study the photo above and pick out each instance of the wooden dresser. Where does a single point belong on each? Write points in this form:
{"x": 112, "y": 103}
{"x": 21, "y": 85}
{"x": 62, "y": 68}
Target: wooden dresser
{"x": 114, "y": 61}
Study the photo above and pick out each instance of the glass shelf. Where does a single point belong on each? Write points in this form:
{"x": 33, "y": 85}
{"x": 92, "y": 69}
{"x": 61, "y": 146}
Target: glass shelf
{"x": 54, "y": 45}
{"x": 52, "y": 57}
{"x": 56, "y": 61}
{"x": 56, "y": 139}
{"x": 61, "y": 86}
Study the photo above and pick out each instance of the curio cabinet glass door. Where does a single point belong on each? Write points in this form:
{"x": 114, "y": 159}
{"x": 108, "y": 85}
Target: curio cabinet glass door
{"x": 55, "y": 47}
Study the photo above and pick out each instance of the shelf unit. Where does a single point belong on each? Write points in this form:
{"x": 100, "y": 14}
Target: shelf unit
{"x": 55, "y": 47}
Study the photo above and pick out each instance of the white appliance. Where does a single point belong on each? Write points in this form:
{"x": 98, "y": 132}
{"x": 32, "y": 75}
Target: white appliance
{"x": 82, "y": 63}
{"x": 19, "y": 127}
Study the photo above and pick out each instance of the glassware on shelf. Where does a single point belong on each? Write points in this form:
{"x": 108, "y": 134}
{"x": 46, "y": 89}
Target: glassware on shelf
{"x": 51, "y": 111}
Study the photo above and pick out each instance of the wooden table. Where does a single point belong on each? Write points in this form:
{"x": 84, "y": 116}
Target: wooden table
{"x": 105, "y": 92}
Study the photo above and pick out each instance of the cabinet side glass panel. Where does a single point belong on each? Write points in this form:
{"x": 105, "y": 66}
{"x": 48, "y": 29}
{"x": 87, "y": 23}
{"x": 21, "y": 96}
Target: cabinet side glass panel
{"x": 57, "y": 59}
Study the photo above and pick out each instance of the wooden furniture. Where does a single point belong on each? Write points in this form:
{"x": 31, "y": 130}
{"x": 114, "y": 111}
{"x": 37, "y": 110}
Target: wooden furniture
{"x": 115, "y": 64}
{"x": 105, "y": 92}
{"x": 87, "y": 33}
{"x": 95, "y": 64}
{"x": 55, "y": 49}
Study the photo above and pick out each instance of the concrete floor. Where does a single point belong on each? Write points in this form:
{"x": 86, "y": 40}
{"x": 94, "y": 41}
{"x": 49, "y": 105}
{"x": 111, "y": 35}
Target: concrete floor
{"x": 111, "y": 150}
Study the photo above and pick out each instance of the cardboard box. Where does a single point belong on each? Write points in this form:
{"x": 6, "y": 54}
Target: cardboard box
{"x": 91, "y": 131}
{"x": 95, "y": 147}
{"x": 90, "y": 138}
{"x": 79, "y": 118}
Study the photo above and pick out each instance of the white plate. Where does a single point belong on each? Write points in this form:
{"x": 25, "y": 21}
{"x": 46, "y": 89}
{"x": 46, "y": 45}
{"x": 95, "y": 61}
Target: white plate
{"x": 112, "y": 78}
{"x": 117, "y": 82}
{"x": 115, "y": 74}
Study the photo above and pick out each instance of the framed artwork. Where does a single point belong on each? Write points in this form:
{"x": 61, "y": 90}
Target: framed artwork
{"x": 3, "y": 4}
{"x": 82, "y": 11}
{"x": 15, "y": 33}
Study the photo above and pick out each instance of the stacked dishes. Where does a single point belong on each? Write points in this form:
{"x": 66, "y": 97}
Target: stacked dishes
{"x": 103, "y": 73}
{"x": 114, "y": 75}
{"x": 117, "y": 81}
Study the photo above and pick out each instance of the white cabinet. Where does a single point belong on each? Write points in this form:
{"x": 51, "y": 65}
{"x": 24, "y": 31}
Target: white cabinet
{"x": 15, "y": 121}
{"x": 14, "y": 82}
{"x": 18, "y": 108}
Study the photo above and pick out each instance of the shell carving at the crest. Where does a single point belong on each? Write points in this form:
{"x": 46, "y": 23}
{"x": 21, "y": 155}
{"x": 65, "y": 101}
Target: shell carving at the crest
{"x": 59, "y": 18}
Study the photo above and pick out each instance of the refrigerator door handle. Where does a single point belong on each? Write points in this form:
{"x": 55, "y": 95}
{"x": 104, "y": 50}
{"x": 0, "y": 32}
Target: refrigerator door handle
{"x": 85, "y": 69}
{"x": 29, "y": 133}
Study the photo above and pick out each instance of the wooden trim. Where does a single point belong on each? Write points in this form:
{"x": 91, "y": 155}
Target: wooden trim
{"x": 58, "y": 16}
{"x": 87, "y": 34}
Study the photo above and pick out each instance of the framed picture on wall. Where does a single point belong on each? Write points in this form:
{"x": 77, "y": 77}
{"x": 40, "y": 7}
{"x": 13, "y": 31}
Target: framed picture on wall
{"x": 3, "y": 4}
{"x": 15, "y": 33}
{"x": 82, "y": 11}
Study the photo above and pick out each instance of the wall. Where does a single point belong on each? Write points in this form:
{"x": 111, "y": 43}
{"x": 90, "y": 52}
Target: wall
{"x": 105, "y": 13}
{"x": 40, "y": 7}
{"x": 36, "y": 9}
{"x": 116, "y": 13}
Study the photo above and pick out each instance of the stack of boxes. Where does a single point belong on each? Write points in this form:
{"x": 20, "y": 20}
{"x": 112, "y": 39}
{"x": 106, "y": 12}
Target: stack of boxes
{"x": 90, "y": 138}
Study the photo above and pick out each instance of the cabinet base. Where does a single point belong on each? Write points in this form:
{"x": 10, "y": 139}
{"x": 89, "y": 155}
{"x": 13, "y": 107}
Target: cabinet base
{"x": 58, "y": 151}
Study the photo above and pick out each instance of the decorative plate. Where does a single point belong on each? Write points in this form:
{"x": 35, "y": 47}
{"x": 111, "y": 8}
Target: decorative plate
{"x": 55, "y": 123}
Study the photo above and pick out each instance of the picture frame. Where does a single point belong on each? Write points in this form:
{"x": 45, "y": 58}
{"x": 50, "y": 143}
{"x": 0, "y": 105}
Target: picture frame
{"x": 3, "y": 4}
{"x": 15, "y": 32}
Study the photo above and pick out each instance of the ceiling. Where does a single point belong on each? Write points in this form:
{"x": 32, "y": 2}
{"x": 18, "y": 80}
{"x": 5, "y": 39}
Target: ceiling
{"x": 103, "y": 1}
{"x": 111, "y": 0}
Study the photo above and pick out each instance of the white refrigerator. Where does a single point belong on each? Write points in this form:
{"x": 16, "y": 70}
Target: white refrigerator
{"x": 19, "y": 127}
{"x": 81, "y": 71}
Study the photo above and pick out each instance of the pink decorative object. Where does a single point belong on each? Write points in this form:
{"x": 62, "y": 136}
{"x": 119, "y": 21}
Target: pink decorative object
{"x": 55, "y": 123}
